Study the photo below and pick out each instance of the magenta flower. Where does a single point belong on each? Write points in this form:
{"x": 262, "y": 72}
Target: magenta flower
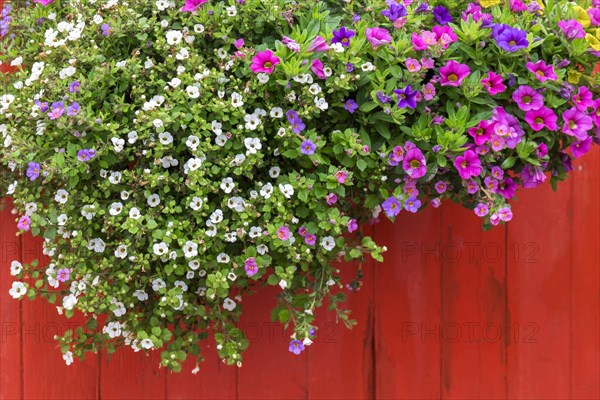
{"x": 296, "y": 347}
{"x": 441, "y": 187}
{"x": 378, "y": 36}
{"x": 310, "y": 239}
{"x": 583, "y": 98}
{"x": 62, "y": 275}
{"x": 352, "y": 225}
{"x": 577, "y": 123}
{"x": 444, "y": 35}
{"x": 290, "y": 44}
{"x": 283, "y": 233}
{"x": 532, "y": 176}
{"x": 481, "y": 210}
{"x": 414, "y": 163}
{"x": 482, "y": 133}
{"x": 542, "y": 71}
{"x": 505, "y": 214}
{"x": 24, "y": 223}
{"x": 541, "y": 150}
{"x": 507, "y": 188}
{"x": 391, "y": 206}
{"x": 238, "y": 43}
{"x": 331, "y": 199}
{"x": 251, "y": 266}
{"x": 397, "y": 154}
{"x": 527, "y": 98}
{"x": 264, "y": 61}
{"x": 412, "y": 64}
{"x": 43, "y": 2}
{"x": 192, "y": 5}
{"x": 468, "y": 164}
{"x": 454, "y": 73}
{"x": 493, "y": 83}
{"x": 580, "y": 148}
{"x": 435, "y": 203}
{"x": 317, "y": 68}
{"x": 319, "y": 44}
{"x": 572, "y": 29}
{"x": 497, "y": 172}
{"x": 302, "y": 231}
{"x": 428, "y": 91}
{"x": 341, "y": 176}
{"x": 542, "y": 118}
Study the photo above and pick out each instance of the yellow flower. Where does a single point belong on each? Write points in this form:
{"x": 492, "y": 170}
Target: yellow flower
{"x": 574, "y": 76}
{"x": 489, "y": 3}
{"x": 582, "y": 16}
{"x": 593, "y": 41}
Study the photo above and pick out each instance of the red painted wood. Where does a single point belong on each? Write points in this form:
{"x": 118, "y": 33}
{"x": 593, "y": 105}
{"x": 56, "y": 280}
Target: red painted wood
{"x": 539, "y": 292}
{"x": 336, "y": 347}
{"x": 585, "y": 278}
{"x": 10, "y": 316}
{"x": 126, "y": 373}
{"x": 407, "y": 315}
{"x": 473, "y": 306}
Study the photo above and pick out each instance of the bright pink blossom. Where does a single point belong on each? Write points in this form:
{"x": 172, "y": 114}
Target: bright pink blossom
{"x": 264, "y": 61}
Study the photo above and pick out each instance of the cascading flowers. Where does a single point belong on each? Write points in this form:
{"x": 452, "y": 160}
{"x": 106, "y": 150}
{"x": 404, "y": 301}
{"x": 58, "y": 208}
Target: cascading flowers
{"x": 177, "y": 155}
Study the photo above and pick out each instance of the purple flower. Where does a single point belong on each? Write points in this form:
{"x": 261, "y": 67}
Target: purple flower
{"x": 532, "y": 176}
{"x": 441, "y": 187}
{"x": 351, "y": 106}
{"x": 572, "y": 29}
{"x": 490, "y": 183}
{"x": 454, "y": 73}
{"x": 542, "y": 118}
{"x": 542, "y": 71}
{"x": 318, "y": 45}
{"x": 24, "y": 223}
{"x": 33, "y": 171}
{"x": 406, "y": 97}
{"x": 307, "y": 147}
{"x": 412, "y": 204}
{"x": 74, "y": 87}
{"x": 58, "y": 109}
{"x": 378, "y": 36}
{"x": 62, "y": 275}
{"x": 507, "y": 188}
{"x": 527, "y": 98}
{"x": 508, "y": 38}
{"x": 497, "y": 172}
{"x": 505, "y": 214}
{"x": 310, "y": 239}
{"x": 105, "y": 29}
{"x": 468, "y": 164}
{"x": 472, "y": 187}
{"x": 442, "y": 15}
{"x": 283, "y": 233}
{"x": 384, "y": 98}
{"x": 435, "y": 203}
{"x": 84, "y": 155}
{"x": 580, "y": 148}
{"x": 331, "y": 199}
{"x": 295, "y": 121}
{"x": 481, "y": 210}
{"x": 414, "y": 163}
{"x": 296, "y": 347}
{"x": 391, "y": 206}
{"x": 302, "y": 231}
{"x": 290, "y": 44}
{"x": 251, "y": 266}
{"x": 577, "y": 123}
{"x": 343, "y": 36}
{"x": 73, "y": 109}
{"x": 352, "y": 225}
{"x": 394, "y": 11}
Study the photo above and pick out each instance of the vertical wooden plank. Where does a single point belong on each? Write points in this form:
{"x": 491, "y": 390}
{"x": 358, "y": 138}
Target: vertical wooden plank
{"x": 45, "y": 374}
{"x": 585, "y": 285}
{"x": 215, "y": 380}
{"x": 341, "y": 361}
{"x": 539, "y": 264}
{"x": 10, "y": 317}
{"x": 126, "y": 374}
{"x": 269, "y": 370}
{"x": 473, "y": 307}
{"x": 407, "y": 317}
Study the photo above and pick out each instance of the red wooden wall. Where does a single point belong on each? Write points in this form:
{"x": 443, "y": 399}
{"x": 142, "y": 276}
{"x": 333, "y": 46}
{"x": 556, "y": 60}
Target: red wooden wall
{"x": 453, "y": 312}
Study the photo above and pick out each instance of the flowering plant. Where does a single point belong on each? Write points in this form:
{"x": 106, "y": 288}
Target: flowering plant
{"x": 177, "y": 155}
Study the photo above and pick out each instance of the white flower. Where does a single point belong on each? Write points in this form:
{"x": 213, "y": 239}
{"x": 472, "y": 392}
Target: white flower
{"x": 237, "y": 203}
{"x": 328, "y": 243}
{"x": 262, "y": 77}
{"x": 69, "y": 302}
{"x": 287, "y": 190}
{"x": 112, "y": 329}
{"x": 274, "y": 172}
{"x": 194, "y": 264}
{"x": 222, "y": 258}
{"x": 61, "y": 196}
{"x": 216, "y": 216}
{"x": 192, "y": 142}
{"x": 115, "y": 208}
{"x": 17, "y": 290}
{"x": 115, "y": 177}
{"x": 255, "y": 232}
{"x": 153, "y": 200}
{"x": 134, "y": 213}
{"x": 30, "y": 208}
{"x": 367, "y": 67}
{"x": 283, "y": 284}
{"x": 220, "y": 140}
{"x": 314, "y": 89}
{"x": 196, "y": 203}
{"x": 337, "y": 47}
{"x": 68, "y": 357}
{"x": 227, "y": 185}
{"x": 193, "y": 92}
{"x": 262, "y": 249}
{"x": 266, "y": 191}
{"x": 66, "y": 72}
{"x": 132, "y": 137}
{"x": 229, "y": 304}
{"x": 147, "y": 344}
{"x": 252, "y": 145}
{"x": 158, "y": 284}
{"x": 192, "y": 164}
{"x": 168, "y": 161}
{"x": 236, "y": 99}
{"x": 12, "y": 187}
{"x": 238, "y": 160}
{"x": 181, "y": 284}
{"x": 15, "y": 268}
{"x": 231, "y": 11}
{"x": 160, "y": 249}
{"x": 216, "y": 127}
{"x": 276, "y": 112}
{"x": 141, "y": 295}
{"x": 121, "y": 251}
{"x": 148, "y": 64}
{"x": 190, "y": 249}
{"x": 321, "y": 103}
{"x": 165, "y": 138}
{"x": 88, "y": 211}
{"x": 61, "y": 220}
{"x": 158, "y": 123}
{"x": 198, "y": 28}
{"x": 174, "y": 37}
{"x": 118, "y": 144}
{"x": 96, "y": 245}
{"x": 120, "y": 310}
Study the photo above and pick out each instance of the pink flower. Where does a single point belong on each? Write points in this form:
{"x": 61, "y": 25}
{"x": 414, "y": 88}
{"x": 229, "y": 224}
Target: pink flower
{"x": 43, "y": 2}
{"x": 412, "y": 65}
{"x": 542, "y": 118}
{"x": 583, "y": 99}
{"x": 331, "y": 199}
{"x": 542, "y": 71}
{"x": 310, "y": 239}
{"x": 378, "y": 36}
{"x": 454, "y": 73}
{"x": 62, "y": 275}
{"x": 264, "y": 61}
{"x": 577, "y": 123}
{"x": 317, "y": 68}
{"x": 580, "y": 148}
{"x": 238, "y": 43}
{"x": 251, "y": 266}
{"x": 283, "y": 233}
{"x": 493, "y": 83}
{"x": 319, "y": 44}
{"x": 482, "y": 132}
{"x": 352, "y": 225}
{"x": 468, "y": 165}
{"x": 24, "y": 223}
{"x": 192, "y": 5}
{"x": 428, "y": 91}
{"x": 341, "y": 176}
